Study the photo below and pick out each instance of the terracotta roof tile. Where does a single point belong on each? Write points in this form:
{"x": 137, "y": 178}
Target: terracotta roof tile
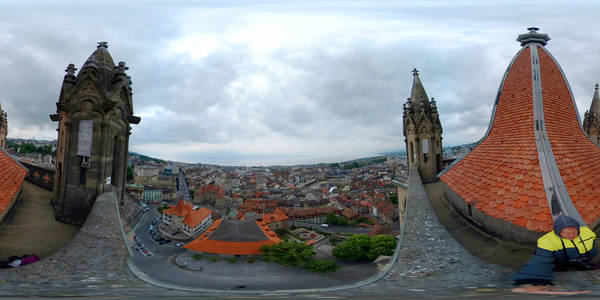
{"x": 12, "y": 175}
{"x": 501, "y": 174}
{"x": 579, "y": 162}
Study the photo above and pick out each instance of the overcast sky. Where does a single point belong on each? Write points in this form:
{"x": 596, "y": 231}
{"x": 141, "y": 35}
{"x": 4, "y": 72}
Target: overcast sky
{"x": 282, "y": 82}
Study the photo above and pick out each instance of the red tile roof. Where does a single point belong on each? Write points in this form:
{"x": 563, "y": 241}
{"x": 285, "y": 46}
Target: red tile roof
{"x": 501, "y": 175}
{"x": 203, "y": 243}
{"x": 12, "y": 175}
{"x": 578, "y": 160}
{"x": 277, "y": 215}
{"x": 191, "y": 216}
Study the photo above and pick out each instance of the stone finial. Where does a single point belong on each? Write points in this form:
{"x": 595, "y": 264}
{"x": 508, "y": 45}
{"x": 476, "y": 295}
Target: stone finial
{"x": 121, "y": 68}
{"x": 71, "y": 69}
{"x": 415, "y": 72}
{"x": 102, "y": 44}
{"x": 533, "y": 36}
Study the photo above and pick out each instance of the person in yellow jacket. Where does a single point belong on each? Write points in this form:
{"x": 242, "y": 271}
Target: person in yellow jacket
{"x": 569, "y": 245}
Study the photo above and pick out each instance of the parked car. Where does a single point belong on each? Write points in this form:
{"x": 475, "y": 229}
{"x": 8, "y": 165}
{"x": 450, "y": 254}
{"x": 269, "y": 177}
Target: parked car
{"x": 178, "y": 245}
{"x": 325, "y": 225}
{"x": 164, "y": 242}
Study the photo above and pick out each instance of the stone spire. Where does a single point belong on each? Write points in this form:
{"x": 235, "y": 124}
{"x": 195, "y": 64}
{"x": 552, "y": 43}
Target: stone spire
{"x": 595, "y": 108}
{"x": 418, "y": 94}
{"x": 422, "y": 131}
{"x": 591, "y": 120}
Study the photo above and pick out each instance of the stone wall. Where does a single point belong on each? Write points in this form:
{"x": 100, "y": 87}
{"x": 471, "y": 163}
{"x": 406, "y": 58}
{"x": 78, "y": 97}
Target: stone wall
{"x": 40, "y": 176}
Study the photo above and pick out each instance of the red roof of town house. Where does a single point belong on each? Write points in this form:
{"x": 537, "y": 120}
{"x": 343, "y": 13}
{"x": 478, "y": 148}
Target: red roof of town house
{"x": 502, "y": 176}
{"x": 211, "y": 188}
{"x": 277, "y": 215}
{"x": 12, "y": 175}
{"x": 234, "y": 237}
{"x": 191, "y": 216}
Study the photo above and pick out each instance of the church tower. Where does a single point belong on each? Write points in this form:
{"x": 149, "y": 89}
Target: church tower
{"x": 3, "y": 128}
{"x": 94, "y": 113}
{"x": 422, "y": 132}
{"x": 591, "y": 120}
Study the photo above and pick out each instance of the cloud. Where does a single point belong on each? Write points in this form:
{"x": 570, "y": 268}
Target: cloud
{"x": 233, "y": 81}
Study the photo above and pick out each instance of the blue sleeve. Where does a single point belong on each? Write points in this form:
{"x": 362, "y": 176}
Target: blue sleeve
{"x": 539, "y": 266}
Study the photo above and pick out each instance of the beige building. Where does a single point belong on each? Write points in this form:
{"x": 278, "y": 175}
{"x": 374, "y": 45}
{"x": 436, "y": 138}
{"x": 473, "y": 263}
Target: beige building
{"x": 422, "y": 132}
{"x": 591, "y": 121}
{"x": 185, "y": 218}
{"x": 144, "y": 174}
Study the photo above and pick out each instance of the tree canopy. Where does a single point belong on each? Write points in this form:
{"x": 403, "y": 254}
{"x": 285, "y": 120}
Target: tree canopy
{"x": 361, "y": 247}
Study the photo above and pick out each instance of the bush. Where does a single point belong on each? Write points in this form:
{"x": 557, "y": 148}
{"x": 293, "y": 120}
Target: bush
{"x": 214, "y": 258}
{"x": 197, "y": 256}
{"x": 232, "y": 260}
{"x": 364, "y": 248}
{"x": 250, "y": 260}
{"x": 323, "y": 266}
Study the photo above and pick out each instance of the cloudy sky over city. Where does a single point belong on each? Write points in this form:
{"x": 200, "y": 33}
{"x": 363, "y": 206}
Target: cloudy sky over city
{"x": 282, "y": 82}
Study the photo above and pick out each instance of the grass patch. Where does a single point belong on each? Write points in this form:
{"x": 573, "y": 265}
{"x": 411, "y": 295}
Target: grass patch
{"x": 250, "y": 260}
{"x": 214, "y": 258}
{"x": 197, "y": 256}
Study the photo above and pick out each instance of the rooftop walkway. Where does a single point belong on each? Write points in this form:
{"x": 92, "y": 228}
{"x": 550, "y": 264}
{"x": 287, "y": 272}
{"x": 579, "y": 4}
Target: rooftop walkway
{"x": 430, "y": 263}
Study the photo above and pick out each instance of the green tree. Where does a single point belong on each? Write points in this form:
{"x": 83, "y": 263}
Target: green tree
{"x": 393, "y": 198}
{"x": 288, "y": 253}
{"x": 129, "y": 173}
{"x": 27, "y": 148}
{"x": 342, "y": 221}
{"x": 364, "y": 248}
{"x": 353, "y": 249}
{"x": 382, "y": 244}
{"x": 331, "y": 219}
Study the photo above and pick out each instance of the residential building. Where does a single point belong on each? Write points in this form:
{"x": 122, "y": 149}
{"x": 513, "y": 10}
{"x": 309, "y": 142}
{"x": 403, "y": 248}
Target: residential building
{"x": 186, "y": 219}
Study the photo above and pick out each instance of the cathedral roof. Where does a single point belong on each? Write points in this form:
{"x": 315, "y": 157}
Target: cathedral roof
{"x": 535, "y": 162}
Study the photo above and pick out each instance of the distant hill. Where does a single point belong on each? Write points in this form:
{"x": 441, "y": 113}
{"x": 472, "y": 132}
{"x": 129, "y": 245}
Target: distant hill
{"x": 145, "y": 157}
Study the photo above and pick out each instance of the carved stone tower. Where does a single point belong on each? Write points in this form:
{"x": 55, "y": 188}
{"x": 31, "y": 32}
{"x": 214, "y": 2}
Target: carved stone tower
{"x": 591, "y": 120}
{"x": 94, "y": 111}
{"x": 422, "y": 132}
{"x": 3, "y": 128}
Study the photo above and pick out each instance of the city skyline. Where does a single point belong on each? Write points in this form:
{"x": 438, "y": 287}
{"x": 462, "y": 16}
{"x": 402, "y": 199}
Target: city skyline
{"x": 255, "y": 83}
